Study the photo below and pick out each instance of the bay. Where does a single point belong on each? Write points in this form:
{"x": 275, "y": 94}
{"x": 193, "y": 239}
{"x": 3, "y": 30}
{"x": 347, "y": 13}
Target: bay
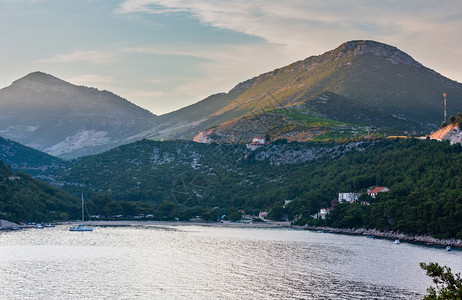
{"x": 201, "y": 262}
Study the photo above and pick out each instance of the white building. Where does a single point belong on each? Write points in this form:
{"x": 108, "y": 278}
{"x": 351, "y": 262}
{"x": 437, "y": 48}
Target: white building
{"x": 348, "y": 197}
{"x": 256, "y": 143}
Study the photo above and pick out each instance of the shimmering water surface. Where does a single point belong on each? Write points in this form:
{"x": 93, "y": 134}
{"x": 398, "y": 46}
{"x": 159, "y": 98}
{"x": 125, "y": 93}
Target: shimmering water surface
{"x": 193, "y": 262}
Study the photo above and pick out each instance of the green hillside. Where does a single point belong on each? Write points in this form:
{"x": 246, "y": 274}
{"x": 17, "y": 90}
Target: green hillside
{"x": 24, "y": 199}
{"x": 424, "y": 178}
{"x": 324, "y": 117}
{"x": 21, "y": 157}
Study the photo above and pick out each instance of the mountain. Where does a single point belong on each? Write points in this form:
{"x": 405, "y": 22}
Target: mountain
{"x": 186, "y": 122}
{"x": 361, "y": 88}
{"x": 62, "y": 119}
{"x": 21, "y": 157}
{"x": 360, "y": 82}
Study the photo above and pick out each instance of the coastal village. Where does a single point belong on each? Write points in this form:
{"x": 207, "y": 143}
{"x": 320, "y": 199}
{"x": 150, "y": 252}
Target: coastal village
{"x": 350, "y": 198}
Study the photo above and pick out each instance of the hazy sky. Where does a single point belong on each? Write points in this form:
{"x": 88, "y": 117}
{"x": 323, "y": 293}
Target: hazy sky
{"x": 166, "y": 54}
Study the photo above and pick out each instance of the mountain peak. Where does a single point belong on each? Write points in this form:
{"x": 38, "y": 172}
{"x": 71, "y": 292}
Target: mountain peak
{"x": 40, "y": 82}
{"x": 359, "y": 47}
{"x": 39, "y": 77}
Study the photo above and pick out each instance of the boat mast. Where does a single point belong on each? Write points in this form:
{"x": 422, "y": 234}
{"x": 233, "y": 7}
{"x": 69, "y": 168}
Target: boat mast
{"x": 82, "y": 211}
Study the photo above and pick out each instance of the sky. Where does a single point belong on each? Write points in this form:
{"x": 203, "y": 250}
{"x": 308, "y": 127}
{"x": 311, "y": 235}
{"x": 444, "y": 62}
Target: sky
{"x": 166, "y": 54}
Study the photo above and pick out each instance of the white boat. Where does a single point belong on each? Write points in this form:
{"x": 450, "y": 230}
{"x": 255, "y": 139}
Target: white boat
{"x": 448, "y": 248}
{"x": 397, "y": 242}
{"x": 81, "y": 227}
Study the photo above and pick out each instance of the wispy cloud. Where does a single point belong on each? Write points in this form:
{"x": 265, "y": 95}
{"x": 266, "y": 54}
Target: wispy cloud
{"x": 295, "y": 22}
{"x": 421, "y": 28}
{"x": 110, "y": 56}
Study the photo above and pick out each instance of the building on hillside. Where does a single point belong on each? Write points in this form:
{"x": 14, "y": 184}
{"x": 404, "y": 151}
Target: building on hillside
{"x": 348, "y": 197}
{"x": 257, "y": 142}
{"x": 262, "y": 215}
{"x": 322, "y": 213}
{"x": 286, "y": 202}
{"x": 373, "y": 193}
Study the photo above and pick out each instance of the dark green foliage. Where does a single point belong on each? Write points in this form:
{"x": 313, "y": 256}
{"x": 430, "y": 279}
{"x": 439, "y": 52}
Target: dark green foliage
{"x": 459, "y": 120}
{"x": 448, "y": 285}
{"x": 186, "y": 179}
{"x": 24, "y": 199}
{"x": 25, "y": 158}
{"x": 425, "y": 181}
{"x": 233, "y": 214}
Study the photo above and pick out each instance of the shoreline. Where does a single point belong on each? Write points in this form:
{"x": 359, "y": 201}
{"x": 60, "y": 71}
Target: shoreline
{"x": 390, "y": 235}
{"x": 418, "y": 239}
{"x": 267, "y": 224}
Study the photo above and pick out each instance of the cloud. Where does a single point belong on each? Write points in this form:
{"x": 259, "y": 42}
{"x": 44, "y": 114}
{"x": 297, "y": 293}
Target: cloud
{"x": 111, "y": 56}
{"x": 295, "y": 22}
{"x": 424, "y": 29}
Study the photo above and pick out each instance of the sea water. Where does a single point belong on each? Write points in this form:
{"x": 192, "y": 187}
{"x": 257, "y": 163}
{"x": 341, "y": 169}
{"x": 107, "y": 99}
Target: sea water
{"x": 198, "y": 262}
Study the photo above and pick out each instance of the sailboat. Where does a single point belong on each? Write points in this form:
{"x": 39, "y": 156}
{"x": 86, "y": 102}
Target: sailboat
{"x": 81, "y": 227}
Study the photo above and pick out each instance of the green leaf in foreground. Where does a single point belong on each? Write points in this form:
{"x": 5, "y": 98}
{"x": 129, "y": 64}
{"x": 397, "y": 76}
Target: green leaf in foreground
{"x": 448, "y": 285}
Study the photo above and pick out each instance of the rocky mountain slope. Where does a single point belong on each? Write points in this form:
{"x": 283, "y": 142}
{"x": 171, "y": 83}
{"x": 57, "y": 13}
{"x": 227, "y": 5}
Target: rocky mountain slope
{"x": 62, "y": 119}
{"x": 188, "y": 121}
{"x": 360, "y": 82}
{"x": 361, "y": 88}
{"x": 452, "y": 133}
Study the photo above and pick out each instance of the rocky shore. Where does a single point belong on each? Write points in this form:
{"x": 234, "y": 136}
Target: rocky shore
{"x": 421, "y": 239}
{"x": 4, "y": 224}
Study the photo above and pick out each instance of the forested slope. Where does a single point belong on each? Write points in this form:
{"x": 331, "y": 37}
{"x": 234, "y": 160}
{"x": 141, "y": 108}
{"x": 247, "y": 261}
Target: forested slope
{"x": 24, "y": 199}
{"x": 424, "y": 177}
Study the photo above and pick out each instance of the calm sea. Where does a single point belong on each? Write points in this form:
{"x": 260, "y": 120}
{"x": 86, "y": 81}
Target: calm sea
{"x": 194, "y": 262}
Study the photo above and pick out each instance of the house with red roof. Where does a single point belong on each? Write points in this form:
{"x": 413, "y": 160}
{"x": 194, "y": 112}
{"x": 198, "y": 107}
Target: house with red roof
{"x": 373, "y": 193}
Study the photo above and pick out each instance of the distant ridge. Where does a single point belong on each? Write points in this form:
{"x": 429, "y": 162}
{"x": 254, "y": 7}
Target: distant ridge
{"x": 363, "y": 86}
{"x": 62, "y": 119}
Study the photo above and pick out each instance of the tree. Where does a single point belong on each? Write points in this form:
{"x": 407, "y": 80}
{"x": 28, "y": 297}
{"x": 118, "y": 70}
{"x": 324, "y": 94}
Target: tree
{"x": 167, "y": 209}
{"x": 444, "y": 124}
{"x": 452, "y": 119}
{"x": 234, "y": 214}
{"x": 459, "y": 120}
{"x": 448, "y": 285}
